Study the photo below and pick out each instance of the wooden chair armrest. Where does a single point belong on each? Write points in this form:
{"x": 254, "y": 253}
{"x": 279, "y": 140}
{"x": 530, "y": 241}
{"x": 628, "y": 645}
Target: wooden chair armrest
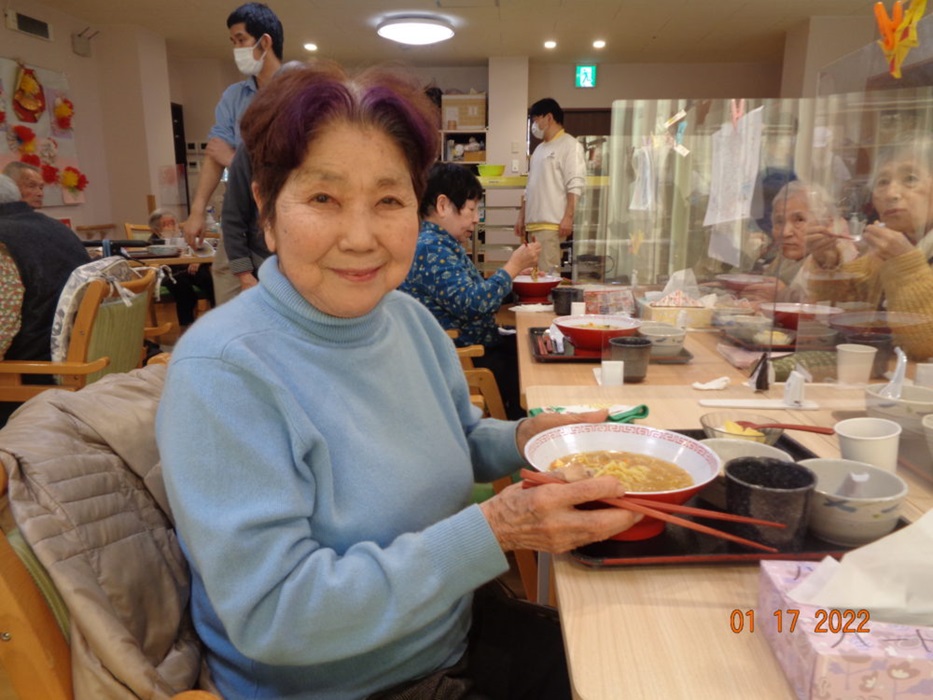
{"x": 156, "y": 331}
{"x": 38, "y": 367}
{"x": 195, "y": 695}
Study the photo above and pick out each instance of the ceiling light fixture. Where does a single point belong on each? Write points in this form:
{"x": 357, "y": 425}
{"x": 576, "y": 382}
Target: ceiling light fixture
{"x": 415, "y": 31}
{"x": 310, "y": 47}
{"x": 550, "y": 44}
{"x": 599, "y": 44}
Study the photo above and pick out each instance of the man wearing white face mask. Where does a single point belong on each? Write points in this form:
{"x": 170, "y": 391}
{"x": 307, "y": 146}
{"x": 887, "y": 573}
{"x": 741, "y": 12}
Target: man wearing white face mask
{"x": 257, "y": 37}
{"x": 556, "y": 176}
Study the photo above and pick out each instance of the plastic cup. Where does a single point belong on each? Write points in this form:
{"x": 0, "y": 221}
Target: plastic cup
{"x": 770, "y": 489}
{"x": 577, "y": 308}
{"x": 854, "y": 363}
{"x": 871, "y": 440}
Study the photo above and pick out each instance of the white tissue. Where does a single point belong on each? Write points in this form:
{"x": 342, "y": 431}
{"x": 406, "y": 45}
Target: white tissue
{"x": 891, "y": 578}
{"x": 714, "y": 385}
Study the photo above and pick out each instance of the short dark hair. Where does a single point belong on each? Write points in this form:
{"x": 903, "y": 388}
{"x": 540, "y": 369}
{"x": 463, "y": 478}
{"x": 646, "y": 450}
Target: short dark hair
{"x": 454, "y": 181}
{"x": 259, "y": 20}
{"x": 547, "y": 106}
{"x": 300, "y": 104}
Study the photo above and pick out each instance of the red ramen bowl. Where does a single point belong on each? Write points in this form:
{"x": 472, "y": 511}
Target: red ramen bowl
{"x": 593, "y": 331}
{"x": 698, "y": 460}
{"x": 876, "y": 322}
{"x": 789, "y": 315}
{"x": 534, "y": 291}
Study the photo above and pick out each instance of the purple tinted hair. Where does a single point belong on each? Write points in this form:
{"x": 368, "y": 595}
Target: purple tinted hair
{"x": 297, "y": 105}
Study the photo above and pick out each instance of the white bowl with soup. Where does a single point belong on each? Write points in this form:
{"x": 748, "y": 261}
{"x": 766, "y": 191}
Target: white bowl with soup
{"x": 654, "y": 464}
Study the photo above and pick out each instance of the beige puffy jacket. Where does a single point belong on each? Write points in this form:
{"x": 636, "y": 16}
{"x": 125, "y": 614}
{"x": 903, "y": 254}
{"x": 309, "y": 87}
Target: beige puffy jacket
{"x": 86, "y": 492}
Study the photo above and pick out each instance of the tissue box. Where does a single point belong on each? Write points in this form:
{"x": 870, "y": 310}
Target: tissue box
{"x": 608, "y": 299}
{"x": 696, "y": 317}
{"x": 890, "y": 661}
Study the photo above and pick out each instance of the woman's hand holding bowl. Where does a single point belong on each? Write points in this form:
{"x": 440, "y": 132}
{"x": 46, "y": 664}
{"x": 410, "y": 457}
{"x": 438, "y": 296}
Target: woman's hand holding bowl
{"x": 545, "y": 518}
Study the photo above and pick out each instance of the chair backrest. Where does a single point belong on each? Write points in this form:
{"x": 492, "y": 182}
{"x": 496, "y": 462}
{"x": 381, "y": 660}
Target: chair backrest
{"x": 483, "y": 382}
{"x": 107, "y": 325}
{"x": 137, "y": 232}
{"x": 33, "y": 651}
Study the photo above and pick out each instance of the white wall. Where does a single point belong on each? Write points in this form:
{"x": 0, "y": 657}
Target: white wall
{"x": 648, "y": 81}
{"x": 816, "y": 43}
{"x": 84, "y": 82}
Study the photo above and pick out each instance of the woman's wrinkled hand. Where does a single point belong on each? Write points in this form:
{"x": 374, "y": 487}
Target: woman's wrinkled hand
{"x": 885, "y": 242}
{"x": 545, "y": 518}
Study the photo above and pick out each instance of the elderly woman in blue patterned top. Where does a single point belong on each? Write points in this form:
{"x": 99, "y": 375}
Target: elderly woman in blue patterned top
{"x": 444, "y": 278}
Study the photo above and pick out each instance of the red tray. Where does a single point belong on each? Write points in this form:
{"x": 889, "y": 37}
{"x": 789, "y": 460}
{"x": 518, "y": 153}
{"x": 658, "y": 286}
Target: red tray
{"x": 573, "y": 354}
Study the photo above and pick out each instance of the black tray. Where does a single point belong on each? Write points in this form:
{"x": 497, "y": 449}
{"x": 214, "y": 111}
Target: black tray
{"x": 678, "y": 545}
{"x": 573, "y": 354}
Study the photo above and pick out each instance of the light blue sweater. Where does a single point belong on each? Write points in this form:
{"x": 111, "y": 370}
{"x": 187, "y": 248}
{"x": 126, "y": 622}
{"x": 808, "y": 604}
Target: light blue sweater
{"x": 320, "y": 473}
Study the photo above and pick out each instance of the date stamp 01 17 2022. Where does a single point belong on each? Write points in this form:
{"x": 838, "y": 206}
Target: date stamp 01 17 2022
{"x": 824, "y": 621}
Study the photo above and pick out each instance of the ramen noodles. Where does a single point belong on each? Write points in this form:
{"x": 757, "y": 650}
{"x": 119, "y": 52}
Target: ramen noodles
{"x": 638, "y": 473}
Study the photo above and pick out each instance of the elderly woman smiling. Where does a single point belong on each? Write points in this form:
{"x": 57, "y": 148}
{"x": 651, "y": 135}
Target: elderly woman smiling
{"x": 894, "y": 271}
{"x": 324, "y": 504}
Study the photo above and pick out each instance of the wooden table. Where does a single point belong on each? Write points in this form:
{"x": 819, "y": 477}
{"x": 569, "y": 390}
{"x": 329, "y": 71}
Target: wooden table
{"x": 707, "y": 363}
{"x": 663, "y": 631}
{"x": 177, "y": 260}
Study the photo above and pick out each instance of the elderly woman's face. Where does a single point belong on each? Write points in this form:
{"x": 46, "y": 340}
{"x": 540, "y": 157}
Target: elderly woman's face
{"x": 903, "y": 197}
{"x": 346, "y": 221}
{"x": 789, "y": 219}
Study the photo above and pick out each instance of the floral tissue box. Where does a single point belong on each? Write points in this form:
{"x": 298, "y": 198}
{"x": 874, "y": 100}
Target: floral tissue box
{"x": 830, "y": 654}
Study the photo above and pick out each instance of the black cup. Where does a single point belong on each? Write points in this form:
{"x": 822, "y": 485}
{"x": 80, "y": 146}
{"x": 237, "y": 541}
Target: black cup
{"x": 770, "y": 489}
{"x": 635, "y": 352}
{"x": 563, "y": 297}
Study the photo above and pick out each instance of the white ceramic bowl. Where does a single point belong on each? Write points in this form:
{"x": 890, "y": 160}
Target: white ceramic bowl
{"x": 849, "y": 520}
{"x": 666, "y": 340}
{"x": 697, "y": 459}
{"x": 907, "y": 411}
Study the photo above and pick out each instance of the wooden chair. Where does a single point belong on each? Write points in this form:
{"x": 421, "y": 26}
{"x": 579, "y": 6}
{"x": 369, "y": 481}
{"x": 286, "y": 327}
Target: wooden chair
{"x": 34, "y": 653}
{"x": 482, "y": 382}
{"x": 137, "y": 232}
{"x": 107, "y": 337}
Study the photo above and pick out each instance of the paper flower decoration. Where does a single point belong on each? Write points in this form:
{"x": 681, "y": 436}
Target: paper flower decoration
{"x": 73, "y": 179}
{"x": 63, "y": 110}
{"x": 50, "y": 174}
{"x": 23, "y": 139}
{"x": 31, "y": 159}
{"x": 29, "y": 96}
{"x": 899, "y": 31}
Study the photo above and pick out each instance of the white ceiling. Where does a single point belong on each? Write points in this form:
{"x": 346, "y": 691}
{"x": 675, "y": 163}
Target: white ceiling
{"x": 636, "y": 31}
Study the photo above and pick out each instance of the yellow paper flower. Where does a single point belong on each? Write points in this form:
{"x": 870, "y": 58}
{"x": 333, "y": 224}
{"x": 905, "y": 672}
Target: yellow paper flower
{"x": 29, "y": 85}
{"x": 69, "y": 178}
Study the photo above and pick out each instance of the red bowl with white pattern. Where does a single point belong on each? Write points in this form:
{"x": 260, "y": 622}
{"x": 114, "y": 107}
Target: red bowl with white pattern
{"x": 697, "y": 459}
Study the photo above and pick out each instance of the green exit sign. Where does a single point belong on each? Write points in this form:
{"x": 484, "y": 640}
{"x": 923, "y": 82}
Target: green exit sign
{"x": 585, "y": 77}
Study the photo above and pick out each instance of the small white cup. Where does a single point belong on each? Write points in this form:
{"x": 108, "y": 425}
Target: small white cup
{"x": 853, "y": 363}
{"x": 871, "y": 440}
{"x": 612, "y": 373}
{"x": 577, "y": 308}
{"x": 924, "y": 375}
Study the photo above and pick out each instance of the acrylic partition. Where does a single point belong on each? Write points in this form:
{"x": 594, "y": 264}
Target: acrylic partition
{"x": 711, "y": 202}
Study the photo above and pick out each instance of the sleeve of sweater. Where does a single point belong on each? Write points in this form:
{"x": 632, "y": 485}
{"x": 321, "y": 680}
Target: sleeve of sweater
{"x": 908, "y": 287}
{"x": 282, "y": 597}
{"x": 575, "y": 168}
{"x": 456, "y": 286}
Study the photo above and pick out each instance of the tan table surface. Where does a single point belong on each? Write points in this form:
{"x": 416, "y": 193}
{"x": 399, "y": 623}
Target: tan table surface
{"x": 706, "y": 364}
{"x": 178, "y": 260}
{"x": 625, "y": 627}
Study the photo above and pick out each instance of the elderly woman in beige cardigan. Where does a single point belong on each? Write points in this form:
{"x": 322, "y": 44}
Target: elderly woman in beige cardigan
{"x": 893, "y": 273}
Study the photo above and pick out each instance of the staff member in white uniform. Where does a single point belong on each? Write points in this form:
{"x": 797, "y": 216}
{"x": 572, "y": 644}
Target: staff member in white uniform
{"x": 556, "y": 175}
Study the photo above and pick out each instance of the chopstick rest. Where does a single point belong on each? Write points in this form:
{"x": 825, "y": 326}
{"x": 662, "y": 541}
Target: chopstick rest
{"x": 657, "y": 509}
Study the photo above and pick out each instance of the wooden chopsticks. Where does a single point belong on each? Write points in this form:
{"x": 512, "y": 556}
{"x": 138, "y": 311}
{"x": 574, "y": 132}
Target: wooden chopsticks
{"x": 656, "y": 509}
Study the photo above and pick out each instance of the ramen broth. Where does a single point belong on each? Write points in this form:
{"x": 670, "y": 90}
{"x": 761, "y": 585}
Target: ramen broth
{"x": 638, "y": 473}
